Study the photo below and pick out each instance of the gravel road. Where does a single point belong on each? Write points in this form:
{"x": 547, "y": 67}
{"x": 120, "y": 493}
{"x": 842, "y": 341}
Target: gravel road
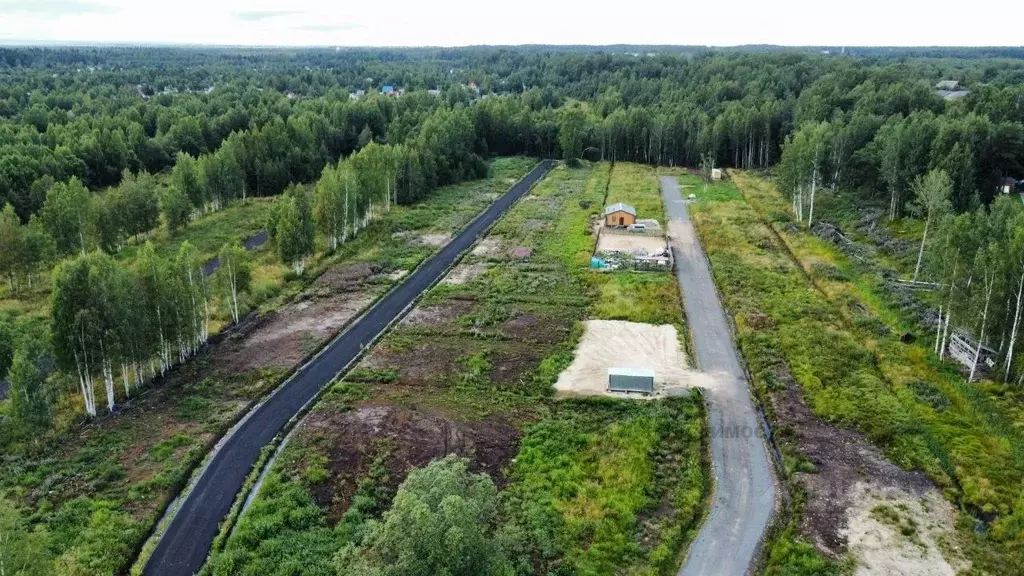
{"x": 744, "y": 485}
{"x": 184, "y": 546}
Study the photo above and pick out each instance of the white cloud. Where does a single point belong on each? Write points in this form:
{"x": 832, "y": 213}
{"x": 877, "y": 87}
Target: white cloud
{"x": 462, "y": 22}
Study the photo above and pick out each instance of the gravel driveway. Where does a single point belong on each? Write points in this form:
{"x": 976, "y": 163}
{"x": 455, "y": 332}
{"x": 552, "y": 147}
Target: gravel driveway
{"x": 744, "y": 484}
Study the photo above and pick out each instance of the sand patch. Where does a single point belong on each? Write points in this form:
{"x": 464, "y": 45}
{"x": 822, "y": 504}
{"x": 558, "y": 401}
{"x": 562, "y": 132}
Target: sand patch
{"x": 489, "y": 247}
{"x": 433, "y": 239}
{"x": 464, "y": 273}
{"x": 892, "y": 532}
{"x": 631, "y": 243}
{"x": 615, "y": 343}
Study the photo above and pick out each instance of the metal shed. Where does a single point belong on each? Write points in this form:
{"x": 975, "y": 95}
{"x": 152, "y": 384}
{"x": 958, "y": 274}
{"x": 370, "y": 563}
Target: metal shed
{"x": 631, "y": 380}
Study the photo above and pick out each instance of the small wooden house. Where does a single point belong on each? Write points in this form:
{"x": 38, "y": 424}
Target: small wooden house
{"x": 1007, "y": 184}
{"x": 619, "y": 215}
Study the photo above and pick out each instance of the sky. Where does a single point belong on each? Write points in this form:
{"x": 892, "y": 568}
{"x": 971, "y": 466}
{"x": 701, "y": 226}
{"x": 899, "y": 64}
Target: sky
{"x": 475, "y": 22}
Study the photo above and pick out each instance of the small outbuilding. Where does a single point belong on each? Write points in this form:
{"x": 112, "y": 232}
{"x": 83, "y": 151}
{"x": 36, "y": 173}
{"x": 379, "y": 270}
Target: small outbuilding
{"x": 630, "y": 380}
{"x": 1007, "y": 184}
{"x": 619, "y": 214}
{"x": 716, "y": 173}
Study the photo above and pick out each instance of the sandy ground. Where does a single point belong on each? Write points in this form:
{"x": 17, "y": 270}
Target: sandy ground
{"x": 489, "y": 246}
{"x": 434, "y": 239}
{"x": 465, "y": 273}
{"x": 629, "y": 243}
{"x": 891, "y": 532}
{"x": 614, "y": 343}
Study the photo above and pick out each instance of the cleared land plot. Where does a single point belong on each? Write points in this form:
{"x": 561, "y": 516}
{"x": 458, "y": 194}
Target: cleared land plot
{"x": 631, "y": 243}
{"x": 614, "y": 343}
{"x": 589, "y": 485}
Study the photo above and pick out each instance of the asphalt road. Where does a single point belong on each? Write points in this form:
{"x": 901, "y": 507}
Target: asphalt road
{"x": 185, "y": 544}
{"x": 744, "y": 485}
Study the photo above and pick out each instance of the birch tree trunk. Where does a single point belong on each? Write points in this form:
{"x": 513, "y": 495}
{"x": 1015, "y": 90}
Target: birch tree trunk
{"x": 989, "y": 285}
{"x": 920, "y": 252}
{"x": 1013, "y": 331}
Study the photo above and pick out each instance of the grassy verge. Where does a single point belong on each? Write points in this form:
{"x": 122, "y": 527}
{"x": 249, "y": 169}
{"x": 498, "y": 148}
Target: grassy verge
{"x": 587, "y": 486}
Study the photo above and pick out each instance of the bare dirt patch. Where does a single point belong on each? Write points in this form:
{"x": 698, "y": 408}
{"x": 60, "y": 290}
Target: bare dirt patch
{"x": 893, "y": 532}
{"x": 440, "y": 360}
{"x": 852, "y": 478}
{"x": 287, "y": 336}
{"x": 631, "y": 243}
{"x": 465, "y": 273}
{"x": 511, "y": 361}
{"x": 530, "y": 327}
{"x": 489, "y": 247}
{"x": 425, "y": 364}
{"x": 615, "y": 343}
{"x": 439, "y": 239}
{"x": 345, "y": 278}
{"x": 437, "y": 315}
{"x": 404, "y": 439}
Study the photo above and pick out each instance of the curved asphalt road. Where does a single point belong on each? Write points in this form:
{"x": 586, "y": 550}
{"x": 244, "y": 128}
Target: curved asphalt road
{"x": 744, "y": 492}
{"x": 184, "y": 546}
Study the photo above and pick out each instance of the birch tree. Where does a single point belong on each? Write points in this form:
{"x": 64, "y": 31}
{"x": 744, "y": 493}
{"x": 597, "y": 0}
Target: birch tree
{"x": 932, "y": 192}
{"x": 986, "y": 269}
{"x": 234, "y": 275}
{"x": 707, "y": 167}
{"x": 293, "y": 228}
{"x": 328, "y": 207}
{"x": 1016, "y": 258}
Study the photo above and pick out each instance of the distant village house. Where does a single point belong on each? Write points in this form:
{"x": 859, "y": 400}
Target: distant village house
{"x": 619, "y": 215}
{"x": 950, "y": 90}
{"x": 1007, "y": 184}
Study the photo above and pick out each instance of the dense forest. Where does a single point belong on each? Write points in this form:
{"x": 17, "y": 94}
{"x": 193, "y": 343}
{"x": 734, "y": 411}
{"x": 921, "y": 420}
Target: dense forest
{"x": 100, "y": 148}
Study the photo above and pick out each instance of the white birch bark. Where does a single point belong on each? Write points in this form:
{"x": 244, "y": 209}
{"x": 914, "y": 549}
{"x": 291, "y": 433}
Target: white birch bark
{"x": 1013, "y": 331}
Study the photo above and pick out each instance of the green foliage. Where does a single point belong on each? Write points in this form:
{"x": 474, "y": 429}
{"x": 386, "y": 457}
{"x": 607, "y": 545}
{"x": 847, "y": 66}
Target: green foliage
{"x": 23, "y": 552}
{"x": 6, "y": 348}
{"x": 439, "y": 523}
{"x": 31, "y": 400}
{"x": 176, "y": 208}
{"x": 584, "y": 477}
{"x": 292, "y": 227}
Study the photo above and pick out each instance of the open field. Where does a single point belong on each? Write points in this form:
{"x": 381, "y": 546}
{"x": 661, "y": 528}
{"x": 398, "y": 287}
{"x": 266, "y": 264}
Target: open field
{"x": 98, "y": 489}
{"x": 586, "y": 485}
{"x": 851, "y": 403}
